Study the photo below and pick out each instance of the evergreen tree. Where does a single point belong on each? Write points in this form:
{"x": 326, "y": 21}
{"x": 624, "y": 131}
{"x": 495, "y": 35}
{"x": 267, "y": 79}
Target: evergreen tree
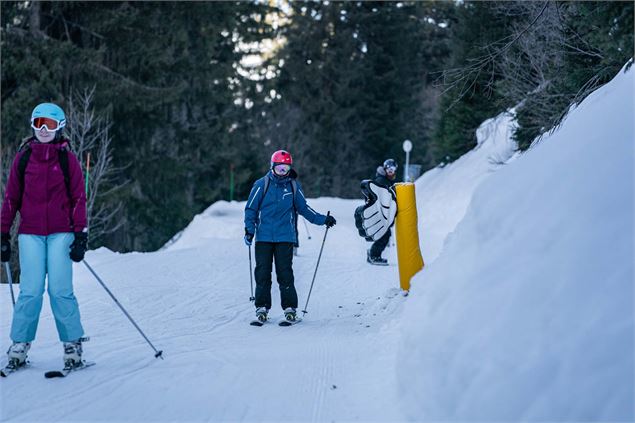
{"x": 469, "y": 95}
{"x": 168, "y": 75}
{"x": 354, "y": 86}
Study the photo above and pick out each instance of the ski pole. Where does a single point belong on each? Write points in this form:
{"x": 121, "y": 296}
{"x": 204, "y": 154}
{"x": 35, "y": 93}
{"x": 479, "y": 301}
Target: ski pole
{"x": 316, "y": 268}
{"x": 8, "y": 269}
{"x": 307, "y": 228}
{"x": 158, "y": 353}
{"x": 251, "y": 277}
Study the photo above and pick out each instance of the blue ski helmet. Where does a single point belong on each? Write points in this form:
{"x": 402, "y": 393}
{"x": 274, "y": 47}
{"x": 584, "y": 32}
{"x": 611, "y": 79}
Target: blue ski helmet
{"x": 50, "y": 110}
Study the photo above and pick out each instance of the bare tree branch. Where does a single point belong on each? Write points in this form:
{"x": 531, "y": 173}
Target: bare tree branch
{"x": 90, "y": 137}
{"x": 464, "y": 79}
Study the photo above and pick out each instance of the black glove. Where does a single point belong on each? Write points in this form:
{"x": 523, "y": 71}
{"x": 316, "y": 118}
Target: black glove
{"x": 248, "y": 238}
{"x": 5, "y": 247}
{"x": 330, "y": 221}
{"x": 79, "y": 246}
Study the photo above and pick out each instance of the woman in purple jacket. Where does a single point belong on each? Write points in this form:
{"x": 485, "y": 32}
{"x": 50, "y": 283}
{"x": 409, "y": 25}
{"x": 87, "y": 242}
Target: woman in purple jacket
{"x": 52, "y": 232}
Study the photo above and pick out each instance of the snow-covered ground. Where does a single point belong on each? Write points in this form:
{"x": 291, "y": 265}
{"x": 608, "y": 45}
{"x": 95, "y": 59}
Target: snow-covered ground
{"x": 523, "y": 312}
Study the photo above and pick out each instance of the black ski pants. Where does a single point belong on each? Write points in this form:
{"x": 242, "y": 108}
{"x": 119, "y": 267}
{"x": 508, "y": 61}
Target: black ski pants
{"x": 282, "y": 253}
{"x": 379, "y": 246}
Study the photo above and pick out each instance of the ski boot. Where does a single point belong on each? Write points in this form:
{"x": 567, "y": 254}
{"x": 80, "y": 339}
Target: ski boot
{"x": 73, "y": 354}
{"x": 377, "y": 261}
{"x": 17, "y": 355}
{"x": 290, "y": 315}
{"x": 261, "y": 314}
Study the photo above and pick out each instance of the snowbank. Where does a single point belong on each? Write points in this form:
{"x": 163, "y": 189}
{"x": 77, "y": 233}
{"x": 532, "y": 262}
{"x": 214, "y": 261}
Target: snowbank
{"x": 443, "y": 194}
{"x": 527, "y": 313}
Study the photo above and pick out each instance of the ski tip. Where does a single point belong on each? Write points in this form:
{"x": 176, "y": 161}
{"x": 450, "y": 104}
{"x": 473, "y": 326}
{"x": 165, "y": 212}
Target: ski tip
{"x": 53, "y": 374}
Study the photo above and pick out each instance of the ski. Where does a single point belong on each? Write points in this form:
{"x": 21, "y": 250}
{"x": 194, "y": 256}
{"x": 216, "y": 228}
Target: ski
{"x": 377, "y": 264}
{"x": 68, "y": 369}
{"x": 285, "y": 322}
{"x": 12, "y": 368}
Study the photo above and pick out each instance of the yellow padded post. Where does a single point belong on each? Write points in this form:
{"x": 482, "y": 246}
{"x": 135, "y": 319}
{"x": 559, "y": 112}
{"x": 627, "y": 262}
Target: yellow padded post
{"x": 408, "y": 252}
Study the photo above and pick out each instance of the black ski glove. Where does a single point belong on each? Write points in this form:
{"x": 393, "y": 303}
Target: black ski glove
{"x": 248, "y": 238}
{"x": 5, "y": 247}
{"x": 79, "y": 246}
{"x": 330, "y": 221}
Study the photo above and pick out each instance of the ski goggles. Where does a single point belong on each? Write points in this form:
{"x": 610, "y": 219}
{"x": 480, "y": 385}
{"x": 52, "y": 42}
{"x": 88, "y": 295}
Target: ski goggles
{"x": 281, "y": 169}
{"x": 50, "y": 124}
{"x": 391, "y": 169}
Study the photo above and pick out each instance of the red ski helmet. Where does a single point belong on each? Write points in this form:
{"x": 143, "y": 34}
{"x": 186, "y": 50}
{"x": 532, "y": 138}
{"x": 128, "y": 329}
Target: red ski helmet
{"x": 281, "y": 157}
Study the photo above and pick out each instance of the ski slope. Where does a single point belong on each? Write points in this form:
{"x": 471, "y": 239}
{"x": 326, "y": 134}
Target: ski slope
{"x": 192, "y": 301}
{"x": 524, "y": 310}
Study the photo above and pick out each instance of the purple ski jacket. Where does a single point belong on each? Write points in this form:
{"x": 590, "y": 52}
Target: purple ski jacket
{"x": 44, "y": 204}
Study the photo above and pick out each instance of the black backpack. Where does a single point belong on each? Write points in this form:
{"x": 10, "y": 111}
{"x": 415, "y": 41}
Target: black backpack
{"x": 24, "y": 161}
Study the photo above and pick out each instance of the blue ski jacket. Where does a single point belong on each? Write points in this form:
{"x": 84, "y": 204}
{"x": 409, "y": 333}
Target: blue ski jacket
{"x": 271, "y": 214}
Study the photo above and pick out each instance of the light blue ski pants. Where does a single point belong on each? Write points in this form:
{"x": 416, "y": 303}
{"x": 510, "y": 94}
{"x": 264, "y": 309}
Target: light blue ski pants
{"x": 39, "y": 256}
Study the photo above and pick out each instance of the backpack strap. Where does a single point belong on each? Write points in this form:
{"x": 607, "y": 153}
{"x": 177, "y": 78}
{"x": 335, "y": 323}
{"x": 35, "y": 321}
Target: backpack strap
{"x": 24, "y": 160}
{"x": 294, "y": 186}
{"x": 63, "y": 158}
{"x": 264, "y": 191}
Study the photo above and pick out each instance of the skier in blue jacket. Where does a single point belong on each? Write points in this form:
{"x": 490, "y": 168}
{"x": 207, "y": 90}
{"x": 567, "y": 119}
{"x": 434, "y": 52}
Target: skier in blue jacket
{"x": 270, "y": 215}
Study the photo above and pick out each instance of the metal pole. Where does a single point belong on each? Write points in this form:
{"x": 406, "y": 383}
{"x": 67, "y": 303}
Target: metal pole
{"x": 158, "y": 353}
{"x": 407, "y": 146}
{"x": 316, "y": 268}
{"x": 8, "y": 269}
{"x": 251, "y": 277}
